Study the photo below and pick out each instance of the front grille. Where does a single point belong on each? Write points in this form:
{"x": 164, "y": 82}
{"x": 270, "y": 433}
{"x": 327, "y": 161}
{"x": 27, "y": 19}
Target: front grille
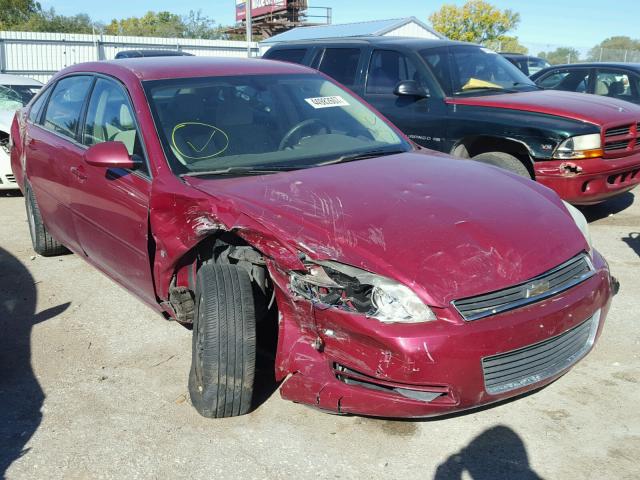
{"x": 534, "y": 363}
{"x": 10, "y": 178}
{"x": 613, "y": 132}
{"x": 550, "y": 283}
{"x": 622, "y": 138}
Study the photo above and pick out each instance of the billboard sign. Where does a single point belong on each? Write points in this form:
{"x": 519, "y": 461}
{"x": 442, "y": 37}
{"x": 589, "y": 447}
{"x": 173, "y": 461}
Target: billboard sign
{"x": 258, "y": 8}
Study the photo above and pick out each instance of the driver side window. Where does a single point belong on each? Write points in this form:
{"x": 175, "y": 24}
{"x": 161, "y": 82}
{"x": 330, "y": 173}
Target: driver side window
{"x": 110, "y": 119}
{"x": 387, "y": 69}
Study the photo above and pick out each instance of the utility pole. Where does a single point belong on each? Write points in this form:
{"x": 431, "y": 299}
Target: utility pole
{"x": 249, "y": 26}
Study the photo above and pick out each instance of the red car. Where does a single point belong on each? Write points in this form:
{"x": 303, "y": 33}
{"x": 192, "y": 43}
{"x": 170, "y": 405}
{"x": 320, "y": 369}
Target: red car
{"x": 228, "y": 193}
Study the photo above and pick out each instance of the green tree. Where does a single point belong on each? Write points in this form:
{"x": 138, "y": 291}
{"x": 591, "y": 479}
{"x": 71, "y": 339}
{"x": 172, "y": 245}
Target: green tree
{"x": 614, "y": 49}
{"x": 476, "y": 21}
{"x": 561, "y": 55}
{"x": 506, "y": 43}
{"x": 50, "y": 21}
{"x": 15, "y": 12}
{"x": 152, "y": 24}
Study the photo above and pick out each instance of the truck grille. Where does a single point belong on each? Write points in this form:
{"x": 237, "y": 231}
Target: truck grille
{"x": 622, "y": 139}
{"x": 537, "y": 362}
{"x": 550, "y": 283}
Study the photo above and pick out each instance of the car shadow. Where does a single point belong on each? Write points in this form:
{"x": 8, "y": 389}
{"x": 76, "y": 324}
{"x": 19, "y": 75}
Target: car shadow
{"x": 610, "y": 207}
{"x": 633, "y": 240}
{"x": 496, "y": 453}
{"x": 267, "y": 343}
{"x": 21, "y": 396}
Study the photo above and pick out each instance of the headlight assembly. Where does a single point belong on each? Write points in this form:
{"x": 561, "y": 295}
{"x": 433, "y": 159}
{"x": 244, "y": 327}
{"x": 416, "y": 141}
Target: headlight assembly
{"x": 580, "y": 147}
{"x": 351, "y": 289}
{"x": 581, "y": 222}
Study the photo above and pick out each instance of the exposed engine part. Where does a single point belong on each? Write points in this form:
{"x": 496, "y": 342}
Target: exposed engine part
{"x": 183, "y": 303}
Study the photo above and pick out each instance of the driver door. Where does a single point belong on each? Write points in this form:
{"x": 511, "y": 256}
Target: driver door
{"x": 423, "y": 120}
{"x": 110, "y": 206}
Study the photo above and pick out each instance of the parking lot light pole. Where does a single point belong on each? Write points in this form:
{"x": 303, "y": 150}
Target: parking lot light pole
{"x": 249, "y": 26}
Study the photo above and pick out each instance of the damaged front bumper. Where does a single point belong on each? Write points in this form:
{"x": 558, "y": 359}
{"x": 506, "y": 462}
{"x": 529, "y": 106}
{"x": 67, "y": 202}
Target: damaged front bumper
{"x": 347, "y": 363}
{"x": 589, "y": 181}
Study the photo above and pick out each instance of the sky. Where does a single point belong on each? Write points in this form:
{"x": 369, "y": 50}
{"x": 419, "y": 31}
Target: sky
{"x": 577, "y": 23}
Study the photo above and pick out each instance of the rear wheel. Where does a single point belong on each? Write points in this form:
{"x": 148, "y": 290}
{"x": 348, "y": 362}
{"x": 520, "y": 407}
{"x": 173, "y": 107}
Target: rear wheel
{"x": 504, "y": 161}
{"x": 42, "y": 241}
{"x": 223, "y": 360}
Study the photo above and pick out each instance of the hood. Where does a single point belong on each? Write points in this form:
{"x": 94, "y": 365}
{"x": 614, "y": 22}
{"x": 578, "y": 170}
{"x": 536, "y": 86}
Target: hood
{"x": 577, "y": 106}
{"x": 447, "y": 228}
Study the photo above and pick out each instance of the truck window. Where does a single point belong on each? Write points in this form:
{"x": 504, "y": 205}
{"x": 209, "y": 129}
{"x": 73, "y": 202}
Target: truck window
{"x": 293, "y": 55}
{"x": 341, "y": 64}
{"x": 387, "y": 69}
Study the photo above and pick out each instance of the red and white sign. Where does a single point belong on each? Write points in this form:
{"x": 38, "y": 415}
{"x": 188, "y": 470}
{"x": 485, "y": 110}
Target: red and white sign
{"x": 258, "y": 8}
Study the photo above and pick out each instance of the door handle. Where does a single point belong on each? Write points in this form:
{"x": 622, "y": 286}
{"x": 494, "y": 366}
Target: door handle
{"x": 78, "y": 172}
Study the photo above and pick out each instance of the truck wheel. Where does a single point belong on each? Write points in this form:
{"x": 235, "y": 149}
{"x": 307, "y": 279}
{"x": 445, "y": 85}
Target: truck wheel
{"x": 505, "y": 161}
{"x": 224, "y": 342}
{"x": 43, "y": 243}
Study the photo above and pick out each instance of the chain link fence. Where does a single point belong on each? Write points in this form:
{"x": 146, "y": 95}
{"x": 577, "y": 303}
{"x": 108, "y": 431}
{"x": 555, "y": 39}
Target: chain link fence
{"x": 560, "y": 54}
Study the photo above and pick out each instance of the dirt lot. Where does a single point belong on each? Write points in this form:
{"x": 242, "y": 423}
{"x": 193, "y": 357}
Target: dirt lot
{"x": 93, "y": 385}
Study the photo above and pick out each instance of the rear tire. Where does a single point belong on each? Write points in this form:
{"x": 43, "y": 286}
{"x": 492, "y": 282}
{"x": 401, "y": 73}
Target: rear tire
{"x": 223, "y": 361}
{"x": 504, "y": 161}
{"x": 42, "y": 241}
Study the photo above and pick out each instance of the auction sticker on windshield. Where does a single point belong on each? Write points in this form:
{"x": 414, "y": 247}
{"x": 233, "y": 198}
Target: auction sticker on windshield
{"x": 326, "y": 102}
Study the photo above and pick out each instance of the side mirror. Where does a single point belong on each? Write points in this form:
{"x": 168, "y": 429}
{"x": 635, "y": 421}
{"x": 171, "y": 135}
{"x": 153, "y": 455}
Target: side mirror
{"x": 111, "y": 155}
{"x": 410, "y": 88}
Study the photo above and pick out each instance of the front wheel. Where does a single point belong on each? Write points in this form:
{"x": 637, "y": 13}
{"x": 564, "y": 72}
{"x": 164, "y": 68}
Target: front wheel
{"x": 224, "y": 342}
{"x": 504, "y": 161}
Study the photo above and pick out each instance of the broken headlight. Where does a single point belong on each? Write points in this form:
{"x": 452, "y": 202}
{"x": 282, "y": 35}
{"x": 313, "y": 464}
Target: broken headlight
{"x": 351, "y": 289}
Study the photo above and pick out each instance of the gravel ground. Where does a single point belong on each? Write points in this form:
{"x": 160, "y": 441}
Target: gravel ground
{"x": 93, "y": 385}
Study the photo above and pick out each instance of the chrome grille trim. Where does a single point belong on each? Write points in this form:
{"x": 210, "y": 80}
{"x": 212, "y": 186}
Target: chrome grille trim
{"x": 556, "y": 280}
{"x": 537, "y": 362}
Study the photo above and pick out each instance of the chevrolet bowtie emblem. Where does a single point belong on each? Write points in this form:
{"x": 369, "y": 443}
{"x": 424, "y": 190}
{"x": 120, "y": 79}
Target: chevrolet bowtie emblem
{"x": 537, "y": 288}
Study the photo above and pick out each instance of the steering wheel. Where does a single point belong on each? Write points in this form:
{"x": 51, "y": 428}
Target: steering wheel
{"x": 296, "y": 129}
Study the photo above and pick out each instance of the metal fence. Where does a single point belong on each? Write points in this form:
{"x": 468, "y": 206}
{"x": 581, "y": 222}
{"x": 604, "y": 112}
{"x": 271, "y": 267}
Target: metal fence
{"x": 40, "y": 55}
{"x": 557, "y": 54}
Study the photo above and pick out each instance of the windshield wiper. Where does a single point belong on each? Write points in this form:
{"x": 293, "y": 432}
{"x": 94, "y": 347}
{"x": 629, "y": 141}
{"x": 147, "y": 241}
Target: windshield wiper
{"x": 361, "y": 156}
{"x": 240, "y": 171}
{"x": 487, "y": 89}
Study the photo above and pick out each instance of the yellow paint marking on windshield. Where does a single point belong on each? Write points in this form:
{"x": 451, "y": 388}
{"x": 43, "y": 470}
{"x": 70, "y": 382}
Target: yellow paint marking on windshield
{"x": 477, "y": 83}
{"x": 214, "y": 130}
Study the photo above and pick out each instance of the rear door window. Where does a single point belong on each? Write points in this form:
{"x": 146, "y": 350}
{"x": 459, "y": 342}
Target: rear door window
{"x": 617, "y": 84}
{"x": 341, "y": 64}
{"x": 65, "y": 105}
{"x": 293, "y": 55}
{"x": 387, "y": 69}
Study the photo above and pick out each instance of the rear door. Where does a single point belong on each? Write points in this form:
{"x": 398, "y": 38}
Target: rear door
{"x": 52, "y": 150}
{"x": 110, "y": 206}
{"x": 421, "y": 119}
{"x": 343, "y": 64}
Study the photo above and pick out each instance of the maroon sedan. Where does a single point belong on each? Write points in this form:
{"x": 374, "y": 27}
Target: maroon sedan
{"x": 229, "y": 193}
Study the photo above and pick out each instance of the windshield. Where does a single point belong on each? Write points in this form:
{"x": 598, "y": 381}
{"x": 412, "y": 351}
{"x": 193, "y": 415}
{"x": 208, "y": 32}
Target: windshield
{"x": 472, "y": 69}
{"x": 263, "y": 121}
{"x": 13, "y": 97}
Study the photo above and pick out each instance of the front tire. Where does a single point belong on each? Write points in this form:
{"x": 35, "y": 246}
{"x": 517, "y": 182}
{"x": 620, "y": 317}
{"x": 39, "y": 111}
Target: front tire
{"x": 224, "y": 342}
{"x": 42, "y": 241}
{"x": 504, "y": 161}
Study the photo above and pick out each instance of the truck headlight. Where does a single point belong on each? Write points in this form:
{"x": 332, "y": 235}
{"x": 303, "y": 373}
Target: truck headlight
{"x": 580, "y": 147}
{"x": 335, "y": 285}
{"x": 581, "y": 222}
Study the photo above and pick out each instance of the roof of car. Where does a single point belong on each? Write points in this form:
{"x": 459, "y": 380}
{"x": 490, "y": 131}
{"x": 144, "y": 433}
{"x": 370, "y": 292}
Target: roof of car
{"x": 623, "y": 65}
{"x": 410, "y": 42}
{"x": 156, "y": 68}
{"x": 6, "y": 79}
{"x": 151, "y": 53}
